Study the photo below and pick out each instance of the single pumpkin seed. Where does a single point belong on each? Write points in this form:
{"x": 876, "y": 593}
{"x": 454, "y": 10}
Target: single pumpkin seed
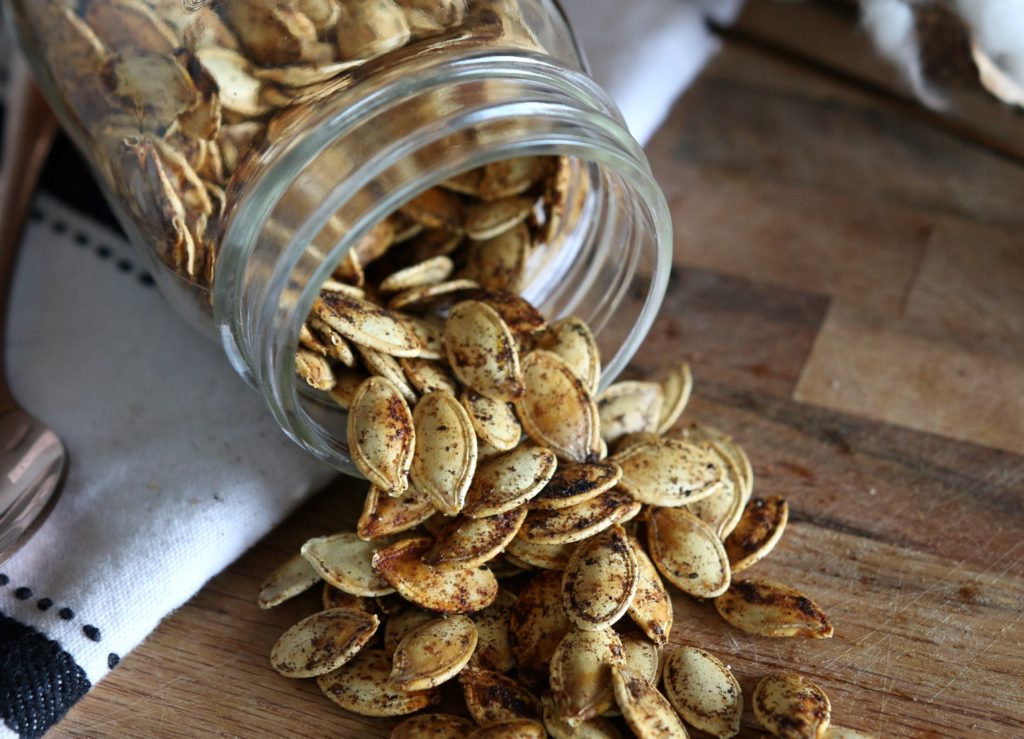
{"x": 435, "y": 208}
{"x": 322, "y": 642}
{"x": 505, "y": 482}
{"x": 559, "y": 728}
{"x": 544, "y": 556}
{"x": 383, "y": 514}
{"x": 433, "y": 653}
{"x": 676, "y": 382}
{"x": 537, "y": 624}
{"x": 556, "y": 408}
{"x": 687, "y": 552}
{"x": 629, "y": 407}
{"x": 382, "y": 434}
{"x": 336, "y": 345}
{"x": 651, "y": 609}
{"x": 508, "y": 177}
{"x": 488, "y": 219}
{"x": 648, "y": 712}
{"x": 669, "y": 473}
{"x": 601, "y": 580}
{"x": 314, "y": 370}
{"x": 722, "y": 510}
{"x": 433, "y": 726}
{"x": 519, "y": 728}
{"x": 430, "y": 331}
{"x": 291, "y": 578}
{"x": 642, "y": 656}
{"x": 398, "y": 626}
{"x": 367, "y": 324}
{"x": 344, "y": 560}
{"x": 362, "y": 686}
{"x": 482, "y": 352}
{"x": 757, "y": 533}
{"x": 581, "y": 673}
{"x": 309, "y": 340}
{"x": 571, "y": 339}
{"x": 384, "y": 365}
{"x": 521, "y": 318}
{"x": 494, "y": 645}
{"x": 792, "y": 707}
{"x": 428, "y": 376}
{"x": 494, "y": 421}
{"x": 445, "y": 456}
{"x": 769, "y": 608}
{"x": 499, "y": 263}
{"x": 438, "y": 295}
{"x": 580, "y": 521}
{"x": 467, "y": 183}
{"x": 704, "y": 691}
{"x": 491, "y": 697}
{"x": 446, "y": 590}
{"x": 428, "y": 272}
{"x": 470, "y": 542}
{"x": 574, "y": 483}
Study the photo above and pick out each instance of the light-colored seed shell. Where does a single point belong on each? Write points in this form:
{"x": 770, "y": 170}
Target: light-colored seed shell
{"x": 840, "y": 732}
{"x": 520, "y": 728}
{"x": 386, "y": 366}
{"x": 362, "y": 686}
{"x": 331, "y": 597}
{"x": 470, "y": 542}
{"x": 322, "y": 642}
{"x": 722, "y": 510}
{"x": 444, "y": 461}
{"x": 369, "y": 29}
{"x": 435, "y": 208}
{"x": 581, "y": 672}
{"x": 488, "y": 219}
{"x": 537, "y": 624}
{"x": 757, "y": 533}
{"x": 433, "y": 653}
{"x": 491, "y": 697}
{"x": 676, "y": 382}
{"x": 507, "y": 481}
{"x": 642, "y": 656}
{"x": 792, "y": 707}
{"x": 651, "y": 609}
{"x": 346, "y": 385}
{"x": 494, "y": 643}
{"x": 557, "y": 410}
{"x": 669, "y": 473}
{"x": 428, "y": 376}
{"x": 344, "y": 560}
{"x": 769, "y": 608}
{"x": 381, "y": 434}
{"x": 314, "y": 370}
{"x": 575, "y": 483}
{"x": 494, "y": 421}
{"x": 571, "y": 339}
{"x": 336, "y": 345}
{"x": 467, "y": 183}
{"x": 509, "y": 177}
{"x": 293, "y": 577}
{"x": 334, "y": 286}
{"x": 519, "y": 315}
{"x": 433, "y": 726}
{"x": 427, "y": 272}
{"x": 430, "y": 331}
{"x": 383, "y": 514}
{"x": 559, "y": 728}
{"x": 601, "y": 580}
{"x": 442, "y": 589}
{"x": 499, "y": 263}
{"x": 401, "y": 624}
{"x": 629, "y": 407}
{"x": 309, "y": 340}
{"x": 544, "y": 556}
{"x": 367, "y": 324}
{"x": 374, "y": 242}
{"x": 629, "y": 441}
{"x": 727, "y": 448}
{"x": 580, "y": 521}
{"x": 648, "y": 712}
{"x": 687, "y": 552}
{"x": 482, "y": 351}
{"x": 438, "y": 294}
{"x": 704, "y": 691}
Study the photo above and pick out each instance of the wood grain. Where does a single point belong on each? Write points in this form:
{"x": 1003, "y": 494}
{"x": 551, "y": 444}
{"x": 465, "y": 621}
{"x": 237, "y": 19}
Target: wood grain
{"x": 795, "y": 198}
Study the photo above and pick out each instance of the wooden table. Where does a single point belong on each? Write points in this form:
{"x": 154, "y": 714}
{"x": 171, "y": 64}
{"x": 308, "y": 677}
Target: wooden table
{"x": 849, "y": 287}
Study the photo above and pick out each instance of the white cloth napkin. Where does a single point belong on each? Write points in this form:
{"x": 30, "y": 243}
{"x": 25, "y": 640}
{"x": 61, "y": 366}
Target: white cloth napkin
{"x": 176, "y": 466}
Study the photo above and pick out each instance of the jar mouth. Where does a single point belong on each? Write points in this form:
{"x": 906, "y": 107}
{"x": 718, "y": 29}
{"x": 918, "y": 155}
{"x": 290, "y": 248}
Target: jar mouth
{"x": 372, "y": 153}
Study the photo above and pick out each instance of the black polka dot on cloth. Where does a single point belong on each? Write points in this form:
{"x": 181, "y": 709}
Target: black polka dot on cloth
{"x": 23, "y": 593}
{"x": 92, "y": 632}
{"x": 59, "y": 227}
{"x": 103, "y": 252}
{"x": 81, "y": 239}
{"x": 4, "y": 580}
{"x": 66, "y": 613}
{"x": 44, "y": 604}
{"x": 37, "y": 215}
{"x": 124, "y": 265}
{"x": 146, "y": 279}
{"x": 112, "y": 660}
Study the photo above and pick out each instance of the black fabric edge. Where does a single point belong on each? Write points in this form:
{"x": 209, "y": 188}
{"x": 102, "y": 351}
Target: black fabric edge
{"x": 39, "y": 681}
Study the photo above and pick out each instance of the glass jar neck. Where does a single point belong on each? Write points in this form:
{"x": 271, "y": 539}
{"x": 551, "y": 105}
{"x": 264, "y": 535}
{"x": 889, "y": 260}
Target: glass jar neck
{"x": 325, "y": 181}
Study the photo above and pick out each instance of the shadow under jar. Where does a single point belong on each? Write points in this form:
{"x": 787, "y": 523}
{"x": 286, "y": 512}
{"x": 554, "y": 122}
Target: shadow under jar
{"x": 256, "y": 151}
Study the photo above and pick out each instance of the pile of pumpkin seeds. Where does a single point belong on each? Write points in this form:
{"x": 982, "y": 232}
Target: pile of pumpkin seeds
{"x": 521, "y": 533}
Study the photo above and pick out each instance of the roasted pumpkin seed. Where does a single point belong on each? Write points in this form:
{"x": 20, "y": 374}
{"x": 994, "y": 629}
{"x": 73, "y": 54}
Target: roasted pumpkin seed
{"x": 494, "y": 646}
{"x": 433, "y": 726}
{"x": 428, "y": 376}
{"x": 437, "y": 295}
{"x": 383, "y": 514}
{"x": 386, "y": 366}
{"x": 362, "y": 686}
{"x": 481, "y": 351}
{"x": 556, "y": 408}
{"x": 769, "y": 608}
{"x": 382, "y": 435}
{"x": 442, "y": 589}
{"x": 346, "y": 384}
{"x": 470, "y": 542}
{"x": 537, "y": 624}
{"x": 399, "y": 625}
{"x": 488, "y": 219}
{"x": 575, "y": 483}
{"x": 314, "y": 370}
{"x": 322, "y": 642}
{"x": 521, "y": 318}
{"x": 571, "y": 339}
{"x": 367, "y": 324}
{"x": 344, "y": 560}
{"x": 792, "y": 707}
{"x": 435, "y": 208}
{"x": 433, "y": 653}
{"x": 505, "y": 482}
{"x": 601, "y": 580}
{"x": 493, "y": 420}
{"x": 509, "y": 177}
{"x": 669, "y": 473}
{"x": 428, "y": 272}
{"x": 757, "y": 533}
{"x": 499, "y": 263}
{"x": 642, "y": 656}
{"x": 544, "y": 556}
{"x": 648, "y": 712}
{"x": 687, "y": 552}
{"x": 581, "y": 672}
{"x": 559, "y": 728}
{"x": 629, "y": 407}
{"x": 651, "y": 609}
{"x": 444, "y": 460}
{"x": 580, "y": 521}
{"x": 676, "y": 382}
{"x": 704, "y": 691}
{"x": 492, "y": 697}
{"x": 291, "y": 578}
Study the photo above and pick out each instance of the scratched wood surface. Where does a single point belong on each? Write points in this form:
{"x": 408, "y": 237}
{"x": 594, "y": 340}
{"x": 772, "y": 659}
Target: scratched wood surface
{"x": 848, "y": 289}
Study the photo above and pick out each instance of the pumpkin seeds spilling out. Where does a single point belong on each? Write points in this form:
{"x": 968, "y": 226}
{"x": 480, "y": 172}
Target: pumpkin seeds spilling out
{"x": 322, "y": 642}
{"x": 601, "y": 580}
{"x": 703, "y": 691}
{"x": 792, "y": 707}
{"x": 687, "y": 552}
{"x": 433, "y": 653}
{"x": 769, "y": 608}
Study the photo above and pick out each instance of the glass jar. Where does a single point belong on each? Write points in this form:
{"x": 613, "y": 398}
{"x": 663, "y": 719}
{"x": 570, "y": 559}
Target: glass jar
{"x": 253, "y": 149}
